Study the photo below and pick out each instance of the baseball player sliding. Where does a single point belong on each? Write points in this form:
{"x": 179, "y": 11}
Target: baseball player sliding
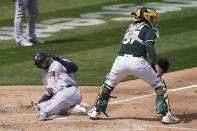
{"x": 138, "y": 39}
{"x": 20, "y": 11}
{"x": 59, "y": 84}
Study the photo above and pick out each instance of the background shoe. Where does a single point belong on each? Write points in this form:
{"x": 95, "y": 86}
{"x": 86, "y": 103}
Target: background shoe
{"x": 25, "y": 43}
{"x": 36, "y": 40}
{"x": 169, "y": 119}
{"x": 93, "y": 114}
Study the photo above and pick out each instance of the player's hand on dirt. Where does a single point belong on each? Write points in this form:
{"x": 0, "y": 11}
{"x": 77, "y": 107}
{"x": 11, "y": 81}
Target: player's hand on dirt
{"x": 55, "y": 57}
{"x": 158, "y": 70}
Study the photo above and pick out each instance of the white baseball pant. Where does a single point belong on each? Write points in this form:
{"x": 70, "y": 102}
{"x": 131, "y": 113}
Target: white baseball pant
{"x": 129, "y": 65}
{"x": 20, "y": 10}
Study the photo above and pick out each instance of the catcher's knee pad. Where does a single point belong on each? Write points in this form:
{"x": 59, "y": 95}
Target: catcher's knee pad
{"x": 103, "y": 98}
{"x": 162, "y": 101}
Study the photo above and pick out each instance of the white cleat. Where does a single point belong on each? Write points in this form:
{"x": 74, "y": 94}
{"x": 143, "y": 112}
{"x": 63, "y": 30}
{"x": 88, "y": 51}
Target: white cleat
{"x": 78, "y": 109}
{"x": 93, "y": 114}
{"x": 169, "y": 119}
{"x": 41, "y": 116}
{"x": 34, "y": 105}
{"x": 83, "y": 104}
{"x": 36, "y": 40}
{"x": 25, "y": 43}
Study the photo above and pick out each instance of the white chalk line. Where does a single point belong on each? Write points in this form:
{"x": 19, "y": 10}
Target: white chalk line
{"x": 18, "y": 114}
{"x": 144, "y": 96}
{"x": 60, "y": 117}
{"x": 54, "y": 117}
{"x": 139, "y": 127}
{"x": 133, "y": 125}
{"x": 15, "y": 105}
{"x": 169, "y": 127}
{"x": 119, "y": 101}
{"x": 50, "y": 118}
{"x": 24, "y": 114}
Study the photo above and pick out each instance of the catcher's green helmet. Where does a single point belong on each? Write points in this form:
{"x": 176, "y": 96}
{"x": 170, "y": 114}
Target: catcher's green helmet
{"x": 146, "y": 15}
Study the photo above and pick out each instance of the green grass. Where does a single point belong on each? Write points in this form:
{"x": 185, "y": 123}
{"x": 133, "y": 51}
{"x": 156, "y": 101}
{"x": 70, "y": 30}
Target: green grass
{"x": 93, "y": 48}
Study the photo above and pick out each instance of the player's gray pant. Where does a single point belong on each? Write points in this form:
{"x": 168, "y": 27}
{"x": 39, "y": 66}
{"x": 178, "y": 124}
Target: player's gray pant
{"x": 20, "y": 11}
{"x": 63, "y": 100}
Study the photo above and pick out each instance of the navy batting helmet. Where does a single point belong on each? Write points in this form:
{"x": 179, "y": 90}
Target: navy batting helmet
{"x": 38, "y": 56}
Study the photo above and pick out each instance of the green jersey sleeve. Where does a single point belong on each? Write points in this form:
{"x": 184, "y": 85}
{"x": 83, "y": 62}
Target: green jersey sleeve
{"x": 149, "y": 35}
{"x": 151, "y": 51}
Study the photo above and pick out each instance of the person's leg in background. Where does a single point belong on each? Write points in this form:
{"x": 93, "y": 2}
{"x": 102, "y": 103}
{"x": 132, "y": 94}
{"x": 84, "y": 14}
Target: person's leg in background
{"x": 31, "y": 24}
{"x": 20, "y": 11}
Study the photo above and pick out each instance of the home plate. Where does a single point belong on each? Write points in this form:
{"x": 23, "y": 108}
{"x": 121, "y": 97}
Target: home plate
{"x": 57, "y": 117}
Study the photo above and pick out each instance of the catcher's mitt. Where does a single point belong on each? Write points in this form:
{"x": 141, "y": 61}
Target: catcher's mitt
{"x": 163, "y": 63}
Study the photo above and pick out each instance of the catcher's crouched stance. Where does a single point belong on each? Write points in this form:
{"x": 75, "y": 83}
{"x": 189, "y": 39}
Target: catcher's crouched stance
{"x": 138, "y": 39}
{"x": 59, "y": 84}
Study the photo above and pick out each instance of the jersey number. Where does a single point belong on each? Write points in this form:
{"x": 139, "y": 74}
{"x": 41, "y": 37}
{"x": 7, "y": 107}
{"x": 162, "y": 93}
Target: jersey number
{"x": 130, "y": 33}
{"x": 127, "y": 41}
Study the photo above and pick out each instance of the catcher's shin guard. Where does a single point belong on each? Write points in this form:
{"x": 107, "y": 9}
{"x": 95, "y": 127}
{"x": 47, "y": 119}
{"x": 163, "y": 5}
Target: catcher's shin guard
{"x": 103, "y": 98}
{"x": 162, "y": 101}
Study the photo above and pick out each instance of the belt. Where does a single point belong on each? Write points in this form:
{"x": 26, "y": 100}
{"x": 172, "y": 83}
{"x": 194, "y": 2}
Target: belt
{"x": 71, "y": 85}
{"x": 130, "y": 55}
{"x": 67, "y": 86}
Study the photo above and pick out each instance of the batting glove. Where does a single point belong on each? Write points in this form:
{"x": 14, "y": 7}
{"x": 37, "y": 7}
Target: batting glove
{"x": 55, "y": 57}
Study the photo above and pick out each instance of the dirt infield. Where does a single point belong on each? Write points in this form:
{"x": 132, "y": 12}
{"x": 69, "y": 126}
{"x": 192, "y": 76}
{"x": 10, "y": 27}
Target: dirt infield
{"x": 134, "y": 109}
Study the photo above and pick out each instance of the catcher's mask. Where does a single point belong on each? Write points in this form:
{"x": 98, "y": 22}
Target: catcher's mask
{"x": 41, "y": 60}
{"x": 146, "y": 15}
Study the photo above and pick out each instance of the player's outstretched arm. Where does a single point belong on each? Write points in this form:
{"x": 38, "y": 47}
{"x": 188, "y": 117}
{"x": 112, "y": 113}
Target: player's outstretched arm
{"x": 71, "y": 67}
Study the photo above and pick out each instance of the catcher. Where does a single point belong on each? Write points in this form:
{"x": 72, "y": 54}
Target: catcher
{"x": 131, "y": 60}
{"x": 61, "y": 89}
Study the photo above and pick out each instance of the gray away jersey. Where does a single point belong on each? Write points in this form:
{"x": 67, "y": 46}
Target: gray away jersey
{"x": 56, "y": 78}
